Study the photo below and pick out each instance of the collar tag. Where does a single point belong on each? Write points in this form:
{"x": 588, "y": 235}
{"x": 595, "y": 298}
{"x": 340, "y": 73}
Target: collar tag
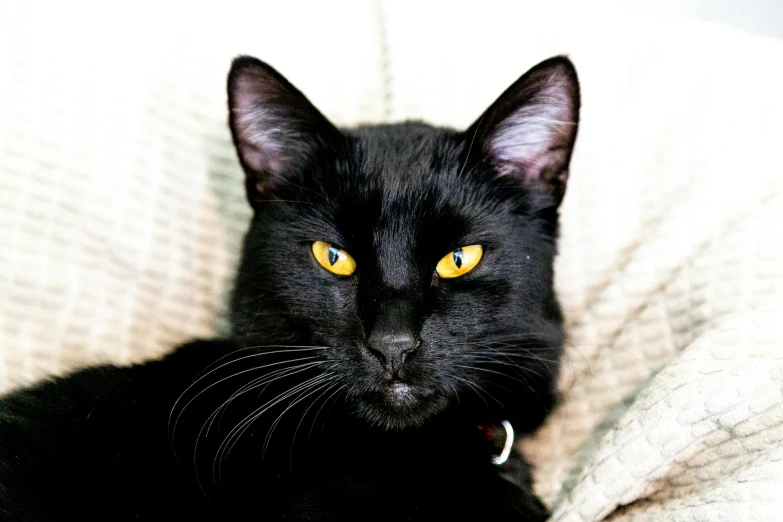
{"x": 493, "y": 435}
{"x": 501, "y": 459}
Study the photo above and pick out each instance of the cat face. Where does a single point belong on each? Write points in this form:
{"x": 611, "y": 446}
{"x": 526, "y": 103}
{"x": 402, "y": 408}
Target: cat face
{"x": 420, "y": 258}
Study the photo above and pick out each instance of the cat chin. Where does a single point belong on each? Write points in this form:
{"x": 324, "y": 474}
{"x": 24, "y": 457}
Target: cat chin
{"x": 399, "y": 408}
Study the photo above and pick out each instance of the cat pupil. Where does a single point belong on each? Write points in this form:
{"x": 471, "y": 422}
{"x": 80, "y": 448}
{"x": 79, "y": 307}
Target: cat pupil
{"x": 334, "y": 255}
{"x": 458, "y": 257}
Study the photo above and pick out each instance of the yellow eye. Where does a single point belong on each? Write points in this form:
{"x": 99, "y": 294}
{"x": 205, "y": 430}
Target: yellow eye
{"x": 333, "y": 259}
{"x": 459, "y": 262}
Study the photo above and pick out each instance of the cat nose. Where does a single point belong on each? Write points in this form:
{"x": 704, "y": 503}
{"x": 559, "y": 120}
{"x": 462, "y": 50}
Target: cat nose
{"x": 393, "y": 337}
{"x": 392, "y": 349}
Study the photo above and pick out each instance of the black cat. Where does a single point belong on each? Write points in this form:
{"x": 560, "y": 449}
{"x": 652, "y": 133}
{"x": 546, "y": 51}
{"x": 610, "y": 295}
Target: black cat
{"x": 393, "y": 306}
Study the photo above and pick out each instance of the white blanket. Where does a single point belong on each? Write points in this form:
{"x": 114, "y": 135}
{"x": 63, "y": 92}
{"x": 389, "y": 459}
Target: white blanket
{"x": 121, "y": 212}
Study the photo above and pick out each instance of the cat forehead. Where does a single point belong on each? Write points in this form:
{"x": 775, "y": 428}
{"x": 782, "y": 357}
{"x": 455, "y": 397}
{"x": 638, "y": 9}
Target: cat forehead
{"x": 401, "y": 176}
{"x": 405, "y": 155}
{"x": 397, "y": 184}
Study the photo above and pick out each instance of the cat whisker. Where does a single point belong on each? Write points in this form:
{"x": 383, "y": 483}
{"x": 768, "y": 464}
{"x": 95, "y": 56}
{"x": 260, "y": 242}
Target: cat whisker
{"x": 268, "y": 404}
{"x": 564, "y": 361}
{"x": 476, "y": 368}
{"x": 319, "y": 386}
{"x": 476, "y": 388}
{"x": 304, "y": 393}
{"x": 228, "y": 445}
{"x": 296, "y": 346}
{"x": 479, "y": 390}
{"x": 515, "y": 341}
{"x": 260, "y": 346}
{"x": 315, "y": 419}
{"x": 203, "y": 375}
{"x": 510, "y": 356}
{"x": 518, "y": 369}
{"x": 255, "y": 368}
{"x": 299, "y": 424}
{"x": 290, "y": 371}
{"x": 264, "y": 381}
{"x": 511, "y": 336}
{"x": 487, "y": 370}
{"x": 236, "y": 433}
{"x": 529, "y": 353}
{"x": 510, "y": 362}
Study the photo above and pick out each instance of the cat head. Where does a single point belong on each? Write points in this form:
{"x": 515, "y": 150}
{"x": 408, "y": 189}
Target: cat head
{"x": 418, "y": 258}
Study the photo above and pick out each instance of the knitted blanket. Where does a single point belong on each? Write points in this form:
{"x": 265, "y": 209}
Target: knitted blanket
{"x": 122, "y": 211}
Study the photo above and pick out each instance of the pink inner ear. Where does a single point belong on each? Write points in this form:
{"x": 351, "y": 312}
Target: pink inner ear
{"x": 260, "y": 159}
{"x": 535, "y": 141}
{"x": 251, "y": 155}
{"x": 261, "y": 121}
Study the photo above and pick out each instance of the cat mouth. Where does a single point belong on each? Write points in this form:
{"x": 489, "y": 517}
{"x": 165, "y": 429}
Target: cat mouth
{"x": 402, "y": 397}
{"x": 400, "y": 394}
{"x": 399, "y": 404}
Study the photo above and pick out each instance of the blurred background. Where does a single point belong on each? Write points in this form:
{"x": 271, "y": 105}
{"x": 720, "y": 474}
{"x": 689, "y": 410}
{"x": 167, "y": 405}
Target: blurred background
{"x": 762, "y": 17}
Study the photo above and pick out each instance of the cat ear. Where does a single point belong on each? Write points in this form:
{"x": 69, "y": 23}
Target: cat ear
{"x": 529, "y": 131}
{"x": 276, "y": 129}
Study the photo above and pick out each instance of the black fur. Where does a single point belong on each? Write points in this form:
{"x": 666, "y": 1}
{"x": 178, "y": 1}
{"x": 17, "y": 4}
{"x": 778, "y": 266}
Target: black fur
{"x": 294, "y": 418}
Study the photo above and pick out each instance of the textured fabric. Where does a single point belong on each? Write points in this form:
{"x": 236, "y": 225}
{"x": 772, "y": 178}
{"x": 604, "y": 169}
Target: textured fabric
{"x": 703, "y": 440}
{"x": 121, "y": 213}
